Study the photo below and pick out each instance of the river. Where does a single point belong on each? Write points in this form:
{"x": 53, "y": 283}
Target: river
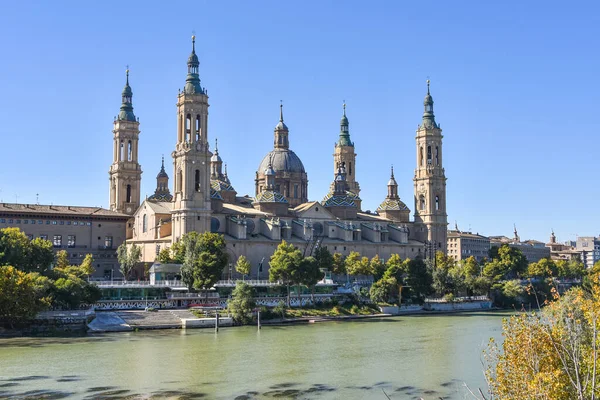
{"x": 407, "y": 357}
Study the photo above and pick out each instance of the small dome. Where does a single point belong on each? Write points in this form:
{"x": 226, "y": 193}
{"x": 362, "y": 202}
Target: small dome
{"x": 392, "y": 182}
{"x": 193, "y": 58}
{"x": 281, "y": 126}
{"x": 282, "y": 160}
{"x": 162, "y": 174}
{"x": 428, "y": 100}
{"x": 344, "y": 120}
{"x": 393, "y": 205}
{"x": 216, "y": 157}
{"x": 127, "y": 91}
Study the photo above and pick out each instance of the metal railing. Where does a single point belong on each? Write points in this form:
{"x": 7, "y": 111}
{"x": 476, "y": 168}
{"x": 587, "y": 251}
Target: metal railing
{"x": 458, "y": 299}
{"x": 171, "y": 283}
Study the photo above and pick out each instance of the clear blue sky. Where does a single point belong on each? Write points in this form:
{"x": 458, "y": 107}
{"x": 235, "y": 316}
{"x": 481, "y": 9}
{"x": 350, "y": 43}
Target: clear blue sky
{"x": 515, "y": 86}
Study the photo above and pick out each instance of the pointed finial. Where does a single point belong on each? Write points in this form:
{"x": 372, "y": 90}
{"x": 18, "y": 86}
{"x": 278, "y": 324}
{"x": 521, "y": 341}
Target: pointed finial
{"x": 344, "y": 108}
{"x": 216, "y": 146}
{"x": 428, "y": 83}
{"x": 193, "y": 41}
{"x": 392, "y": 170}
{"x": 280, "y": 110}
{"x": 127, "y": 74}
{"x": 163, "y": 161}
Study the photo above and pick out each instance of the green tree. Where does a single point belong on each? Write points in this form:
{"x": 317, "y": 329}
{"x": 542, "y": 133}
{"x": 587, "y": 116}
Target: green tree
{"x": 27, "y": 255}
{"x": 242, "y": 303}
{"x": 418, "y": 279}
{"x": 324, "y": 258}
{"x": 463, "y": 275}
{"x": 22, "y": 295}
{"x": 338, "y": 264}
{"x": 377, "y": 267}
{"x": 128, "y": 258}
{"x": 178, "y": 252}
{"x": 284, "y": 265}
{"x": 544, "y": 268}
{"x": 242, "y": 266}
{"x": 62, "y": 259}
{"x": 442, "y": 279}
{"x": 506, "y": 263}
{"x": 164, "y": 256}
{"x": 357, "y": 265}
{"x": 382, "y": 290}
{"x": 205, "y": 259}
{"x": 310, "y": 274}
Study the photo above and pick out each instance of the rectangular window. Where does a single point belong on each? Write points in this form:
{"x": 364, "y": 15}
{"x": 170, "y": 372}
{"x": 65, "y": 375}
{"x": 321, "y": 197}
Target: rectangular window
{"x": 25, "y": 221}
{"x": 2, "y": 220}
{"x": 53, "y": 222}
{"x": 33, "y": 221}
{"x": 71, "y": 241}
{"x": 17, "y": 221}
{"x": 89, "y": 224}
{"x": 75, "y": 223}
{"x": 62, "y": 222}
{"x": 48, "y": 222}
{"x": 40, "y": 222}
{"x": 57, "y": 241}
{"x": 157, "y": 249}
{"x": 10, "y": 221}
{"x": 68, "y": 222}
{"x": 44, "y": 237}
{"x": 108, "y": 242}
{"x": 296, "y": 191}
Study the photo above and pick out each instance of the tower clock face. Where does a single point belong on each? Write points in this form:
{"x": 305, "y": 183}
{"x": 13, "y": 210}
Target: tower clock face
{"x": 128, "y": 209}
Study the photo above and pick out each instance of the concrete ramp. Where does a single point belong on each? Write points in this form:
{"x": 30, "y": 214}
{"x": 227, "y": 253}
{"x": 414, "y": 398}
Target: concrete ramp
{"x": 107, "y": 321}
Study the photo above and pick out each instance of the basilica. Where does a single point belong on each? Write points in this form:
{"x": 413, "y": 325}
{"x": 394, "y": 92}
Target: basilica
{"x": 204, "y": 199}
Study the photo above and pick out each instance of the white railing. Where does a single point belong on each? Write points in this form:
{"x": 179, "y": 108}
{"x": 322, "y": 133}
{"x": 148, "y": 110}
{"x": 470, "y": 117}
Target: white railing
{"x": 251, "y": 282}
{"x": 172, "y": 283}
{"x": 458, "y": 299}
{"x": 184, "y": 295}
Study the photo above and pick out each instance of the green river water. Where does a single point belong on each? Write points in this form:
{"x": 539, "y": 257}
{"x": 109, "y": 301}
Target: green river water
{"x": 408, "y": 357}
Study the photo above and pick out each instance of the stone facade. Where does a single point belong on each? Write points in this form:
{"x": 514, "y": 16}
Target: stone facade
{"x": 78, "y": 230}
{"x": 462, "y": 245}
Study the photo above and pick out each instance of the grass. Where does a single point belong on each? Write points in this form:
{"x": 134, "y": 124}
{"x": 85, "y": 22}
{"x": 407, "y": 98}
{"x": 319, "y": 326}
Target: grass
{"x": 331, "y": 311}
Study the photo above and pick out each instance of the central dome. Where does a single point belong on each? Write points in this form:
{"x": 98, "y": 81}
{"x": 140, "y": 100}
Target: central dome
{"x": 282, "y": 160}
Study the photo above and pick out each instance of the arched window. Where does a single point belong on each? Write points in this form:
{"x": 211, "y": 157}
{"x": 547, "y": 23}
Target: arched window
{"x": 179, "y": 179}
{"x": 428, "y": 154}
{"x": 122, "y": 151}
{"x": 197, "y": 181}
{"x": 128, "y": 195}
{"x": 188, "y": 128}
{"x": 422, "y": 203}
{"x": 349, "y": 168}
{"x": 437, "y": 203}
{"x": 129, "y": 151}
{"x": 197, "y": 128}
{"x": 421, "y": 156}
{"x": 437, "y": 155}
{"x": 145, "y": 223}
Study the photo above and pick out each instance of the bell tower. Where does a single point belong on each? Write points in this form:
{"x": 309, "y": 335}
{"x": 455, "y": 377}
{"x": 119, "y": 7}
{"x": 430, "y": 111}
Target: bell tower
{"x": 191, "y": 158}
{"x": 431, "y": 220}
{"x": 344, "y": 154}
{"x": 125, "y": 173}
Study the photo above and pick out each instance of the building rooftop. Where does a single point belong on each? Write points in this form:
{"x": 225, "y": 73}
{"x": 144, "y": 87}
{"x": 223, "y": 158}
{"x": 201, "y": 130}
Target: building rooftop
{"x": 75, "y": 211}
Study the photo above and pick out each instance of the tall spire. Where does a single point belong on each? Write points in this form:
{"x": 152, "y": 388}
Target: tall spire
{"x": 126, "y": 112}
{"x": 392, "y": 186}
{"x": 281, "y": 131}
{"x": 192, "y": 82}
{"x": 428, "y": 116}
{"x": 344, "y": 139}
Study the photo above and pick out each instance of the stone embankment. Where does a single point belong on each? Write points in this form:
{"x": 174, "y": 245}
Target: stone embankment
{"x": 124, "y": 321}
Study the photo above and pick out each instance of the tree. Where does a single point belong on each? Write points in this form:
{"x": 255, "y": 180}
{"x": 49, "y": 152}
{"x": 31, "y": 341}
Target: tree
{"x": 551, "y": 354}
{"x": 464, "y": 274}
{"x": 506, "y": 263}
{"x": 164, "y": 256}
{"x": 382, "y": 290}
{"x": 242, "y": 266}
{"x": 284, "y": 265}
{"x": 377, "y": 267}
{"x": 324, "y": 258}
{"x": 440, "y": 273}
{"x": 242, "y": 303}
{"x": 22, "y": 295}
{"x": 357, "y": 265}
{"x": 205, "y": 259}
{"x": 27, "y": 255}
{"x": 128, "y": 258}
{"x": 62, "y": 259}
{"x": 338, "y": 264}
{"x": 310, "y": 274}
{"x": 419, "y": 279}
{"x": 544, "y": 268}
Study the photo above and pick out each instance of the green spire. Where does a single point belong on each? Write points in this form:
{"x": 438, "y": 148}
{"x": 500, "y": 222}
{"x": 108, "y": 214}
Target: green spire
{"x": 344, "y": 131}
{"x": 192, "y": 82}
{"x": 126, "y": 113}
{"x": 428, "y": 116}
